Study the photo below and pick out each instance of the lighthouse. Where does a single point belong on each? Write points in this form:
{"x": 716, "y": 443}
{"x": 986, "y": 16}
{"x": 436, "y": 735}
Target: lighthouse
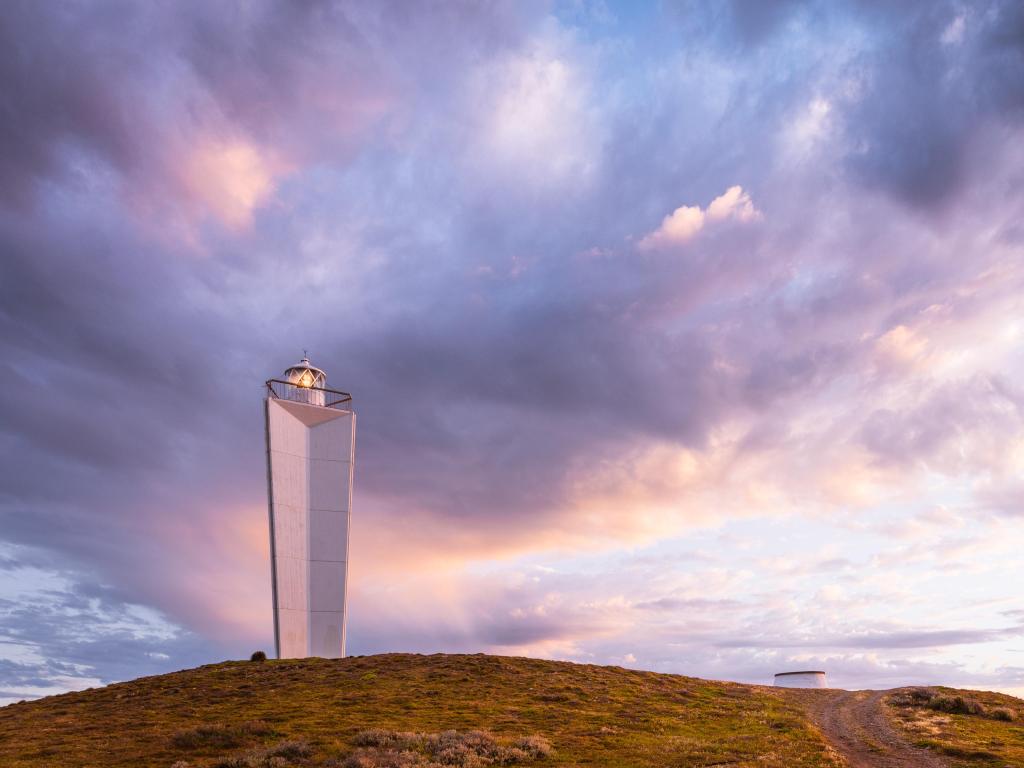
{"x": 310, "y": 432}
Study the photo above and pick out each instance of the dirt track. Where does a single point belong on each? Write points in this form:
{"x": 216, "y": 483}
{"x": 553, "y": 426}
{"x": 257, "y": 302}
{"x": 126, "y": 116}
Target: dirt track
{"x": 856, "y": 725}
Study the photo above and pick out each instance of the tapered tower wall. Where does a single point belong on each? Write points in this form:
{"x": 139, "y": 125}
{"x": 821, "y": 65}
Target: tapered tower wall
{"x": 310, "y": 459}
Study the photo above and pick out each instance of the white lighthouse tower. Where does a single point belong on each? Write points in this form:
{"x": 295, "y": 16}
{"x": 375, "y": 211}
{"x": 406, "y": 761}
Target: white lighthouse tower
{"x": 310, "y": 457}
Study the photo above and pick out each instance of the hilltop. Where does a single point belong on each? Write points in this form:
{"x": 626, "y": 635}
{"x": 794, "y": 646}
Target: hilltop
{"x": 399, "y": 710}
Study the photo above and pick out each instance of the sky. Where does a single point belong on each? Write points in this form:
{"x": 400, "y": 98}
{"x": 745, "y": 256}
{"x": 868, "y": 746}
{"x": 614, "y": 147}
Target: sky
{"x": 683, "y": 336}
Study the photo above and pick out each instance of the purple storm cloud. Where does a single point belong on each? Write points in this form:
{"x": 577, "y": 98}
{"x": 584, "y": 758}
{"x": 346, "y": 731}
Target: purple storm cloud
{"x": 684, "y": 337}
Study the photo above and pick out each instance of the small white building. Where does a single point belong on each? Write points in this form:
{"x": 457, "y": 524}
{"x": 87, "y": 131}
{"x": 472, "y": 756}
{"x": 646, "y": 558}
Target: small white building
{"x": 804, "y": 679}
{"x": 311, "y": 434}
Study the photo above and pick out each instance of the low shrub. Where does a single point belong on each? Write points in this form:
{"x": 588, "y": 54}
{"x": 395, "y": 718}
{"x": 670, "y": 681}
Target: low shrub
{"x": 960, "y": 705}
{"x": 378, "y": 748}
{"x": 221, "y": 735}
{"x": 382, "y": 739}
{"x": 280, "y": 755}
{"x": 377, "y": 759}
{"x": 912, "y": 697}
{"x": 534, "y": 746}
{"x": 290, "y": 750}
{"x": 955, "y": 704}
{"x": 258, "y": 656}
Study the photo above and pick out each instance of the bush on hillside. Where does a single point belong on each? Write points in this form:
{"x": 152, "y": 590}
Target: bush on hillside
{"x": 960, "y": 705}
{"x": 534, "y": 746}
{"x": 258, "y": 656}
{"x": 280, "y": 755}
{"x": 221, "y": 735}
{"x": 920, "y": 695}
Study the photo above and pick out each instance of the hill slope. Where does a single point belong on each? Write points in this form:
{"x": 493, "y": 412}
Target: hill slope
{"x": 394, "y": 710}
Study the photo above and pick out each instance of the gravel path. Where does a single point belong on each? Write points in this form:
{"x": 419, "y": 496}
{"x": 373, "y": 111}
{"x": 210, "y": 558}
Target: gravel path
{"x": 856, "y": 725}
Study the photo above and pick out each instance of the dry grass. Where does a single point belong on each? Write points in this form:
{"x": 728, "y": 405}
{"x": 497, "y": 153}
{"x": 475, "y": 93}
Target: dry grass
{"x": 523, "y": 711}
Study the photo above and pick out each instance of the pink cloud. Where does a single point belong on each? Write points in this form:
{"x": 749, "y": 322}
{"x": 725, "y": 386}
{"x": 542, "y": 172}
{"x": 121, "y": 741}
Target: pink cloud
{"x": 685, "y": 222}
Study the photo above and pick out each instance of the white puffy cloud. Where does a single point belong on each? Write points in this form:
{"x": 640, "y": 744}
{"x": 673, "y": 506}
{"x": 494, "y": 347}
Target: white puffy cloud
{"x": 686, "y": 221}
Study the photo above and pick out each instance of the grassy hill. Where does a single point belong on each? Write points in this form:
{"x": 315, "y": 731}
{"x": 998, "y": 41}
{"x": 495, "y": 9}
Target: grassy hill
{"x": 401, "y": 710}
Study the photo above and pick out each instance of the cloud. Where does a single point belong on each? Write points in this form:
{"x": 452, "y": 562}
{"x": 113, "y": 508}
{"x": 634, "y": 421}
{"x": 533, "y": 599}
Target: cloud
{"x": 685, "y": 222}
{"x": 63, "y": 631}
{"x": 901, "y": 346}
{"x": 888, "y": 640}
{"x": 735, "y": 204}
{"x": 178, "y": 111}
{"x": 926, "y": 98}
{"x": 440, "y": 205}
{"x": 231, "y": 179}
{"x": 537, "y": 129}
{"x": 955, "y": 426}
{"x": 953, "y": 34}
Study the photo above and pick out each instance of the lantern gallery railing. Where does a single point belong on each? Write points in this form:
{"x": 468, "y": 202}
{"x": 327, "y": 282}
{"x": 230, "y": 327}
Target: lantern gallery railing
{"x": 326, "y": 398}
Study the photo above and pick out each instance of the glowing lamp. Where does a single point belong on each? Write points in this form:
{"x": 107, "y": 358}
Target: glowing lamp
{"x": 309, "y": 379}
